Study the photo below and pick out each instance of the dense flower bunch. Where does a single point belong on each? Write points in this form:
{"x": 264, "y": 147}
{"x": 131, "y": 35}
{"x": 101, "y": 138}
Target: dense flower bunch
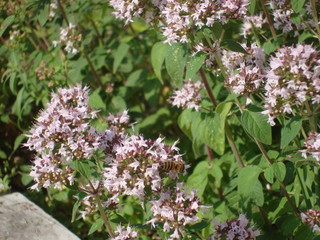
{"x": 137, "y": 166}
{"x": 250, "y": 21}
{"x": 61, "y": 134}
{"x": 235, "y": 230}
{"x": 282, "y": 11}
{"x": 127, "y": 234}
{"x": 179, "y": 17}
{"x": 312, "y": 144}
{"x": 69, "y": 38}
{"x": 292, "y": 79}
{"x": 312, "y": 218}
{"x": 188, "y": 97}
{"x": 175, "y": 209}
{"x": 245, "y": 71}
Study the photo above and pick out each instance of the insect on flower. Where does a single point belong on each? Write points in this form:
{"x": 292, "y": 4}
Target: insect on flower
{"x": 178, "y": 167}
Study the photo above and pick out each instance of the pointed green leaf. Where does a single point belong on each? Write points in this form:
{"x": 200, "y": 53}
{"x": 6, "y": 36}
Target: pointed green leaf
{"x": 279, "y": 170}
{"x": 290, "y": 130}
{"x": 232, "y": 45}
{"x": 249, "y": 185}
{"x": 119, "y": 55}
{"x": 158, "y": 54}
{"x": 256, "y": 124}
{"x": 194, "y": 64}
{"x": 297, "y": 5}
{"x": 175, "y": 62}
{"x": 96, "y": 226}
{"x": 6, "y": 23}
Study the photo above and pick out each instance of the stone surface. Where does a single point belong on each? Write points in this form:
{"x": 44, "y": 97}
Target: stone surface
{"x": 21, "y": 219}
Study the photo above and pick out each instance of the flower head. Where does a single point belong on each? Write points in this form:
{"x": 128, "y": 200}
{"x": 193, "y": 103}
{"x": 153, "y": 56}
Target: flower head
{"x": 61, "y": 134}
{"x": 137, "y": 166}
{"x": 125, "y": 233}
{"x": 312, "y": 145}
{"x": 235, "y": 229}
{"x": 312, "y": 218}
{"x": 293, "y": 78}
{"x": 188, "y": 97}
{"x": 176, "y": 208}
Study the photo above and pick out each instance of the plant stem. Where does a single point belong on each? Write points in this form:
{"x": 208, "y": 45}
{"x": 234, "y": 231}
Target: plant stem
{"x": 304, "y": 189}
{"x": 312, "y": 123}
{"x": 63, "y": 12}
{"x": 104, "y": 216}
{"x": 96, "y": 75}
{"x": 227, "y": 128}
{"x": 206, "y": 85}
{"x": 266, "y": 12}
{"x": 283, "y": 188}
{"x": 315, "y": 16}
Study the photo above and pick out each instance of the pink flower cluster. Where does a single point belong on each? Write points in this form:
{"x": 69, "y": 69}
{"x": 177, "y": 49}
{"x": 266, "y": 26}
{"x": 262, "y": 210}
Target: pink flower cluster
{"x": 176, "y": 208}
{"x": 62, "y": 137}
{"x": 188, "y": 97}
{"x": 312, "y": 144}
{"x": 62, "y": 133}
{"x": 69, "y": 38}
{"x": 235, "y": 230}
{"x": 136, "y": 166}
{"x": 250, "y": 21}
{"x": 178, "y": 18}
{"x": 292, "y": 79}
{"x": 127, "y": 234}
{"x": 245, "y": 71}
{"x": 282, "y": 11}
{"x": 312, "y": 218}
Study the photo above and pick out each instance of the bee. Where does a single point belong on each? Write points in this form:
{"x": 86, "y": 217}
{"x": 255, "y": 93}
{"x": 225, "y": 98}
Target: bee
{"x": 178, "y": 167}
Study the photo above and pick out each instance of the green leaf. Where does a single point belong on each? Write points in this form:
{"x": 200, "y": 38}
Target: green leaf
{"x": 136, "y": 78}
{"x": 96, "y": 226}
{"x": 18, "y": 141}
{"x": 118, "y": 103}
{"x": 232, "y": 45}
{"x": 3, "y": 155}
{"x": 279, "y": 170}
{"x": 198, "y": 226}
{"x": 297, "y": 5}
{"x": 119, "y": 55}
{"x": 82, "y": 168}
{"x": 80, "y": 197}
{"x": 194, "y": 65}
{"x": 96, "y": 101}
{"x": 268, "y": 174}
{"x": 210, "y": 131}
{"x": 256, "y": 124}
{"x": 199, "y": 178}
{"x": 305, "y": 35}
{"x": 158, "y": 54}
{"x": 185, "y": 121}
{"x": 249, "y": 185}
{"x": 217, "y": 173}
{"x": 269, "y": 47}
{"x": 252, "y": 6}
{"x": 44, "y": 14}
{"x": 290, "y": 130}
{"x": 6, "y": 23}
{"x": 175, "y": 62}
{"x": 26, "y": 179}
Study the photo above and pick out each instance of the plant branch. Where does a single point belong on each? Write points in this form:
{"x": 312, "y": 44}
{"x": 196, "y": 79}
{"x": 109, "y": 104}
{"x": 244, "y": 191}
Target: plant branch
{"x": 96, "y": 75}
{"x": 266, "y": 12}
{"x": 283, "y": 188}
{"x": 104, "y": 216}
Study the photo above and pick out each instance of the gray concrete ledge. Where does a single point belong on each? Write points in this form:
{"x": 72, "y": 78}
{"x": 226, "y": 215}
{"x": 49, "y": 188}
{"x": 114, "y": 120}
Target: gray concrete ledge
{"x": 21, "y": 219}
